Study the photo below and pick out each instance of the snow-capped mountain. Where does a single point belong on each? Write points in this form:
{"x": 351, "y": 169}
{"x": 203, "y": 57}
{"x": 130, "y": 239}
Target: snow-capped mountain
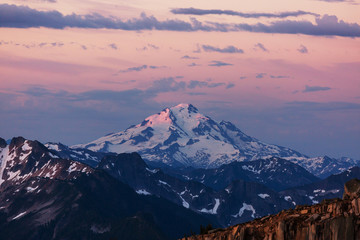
{"x": 81, "y": 155}
{"x": 23, "y": 159}
{"x": 325, "y": 166}
{"x": 182, "y": 136}
{"x": 45, "y": 197}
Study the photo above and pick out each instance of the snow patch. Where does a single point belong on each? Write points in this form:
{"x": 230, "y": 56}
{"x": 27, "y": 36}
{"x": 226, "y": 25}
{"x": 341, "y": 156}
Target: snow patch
{"x": 251, "y": 169}
{"x": 19, "y": 215}
{"x": 165, "y": 183}
{"x": 142, "y": 192}
{"x": 72, "y": 168}
{"x": 184, "y": 203}
{"x": 52, "y": 155}
{"x": 287, "y": 198}
{"x": 263, "y": 195}
{"x": 214, "y": 209}
{"x": 152, "y": 170}
{"x": 246, "y": 207}
{"x": 31, "y": 189}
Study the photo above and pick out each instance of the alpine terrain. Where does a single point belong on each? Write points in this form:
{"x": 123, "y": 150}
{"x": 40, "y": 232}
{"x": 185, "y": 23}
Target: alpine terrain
{"x": 182, "y": 136}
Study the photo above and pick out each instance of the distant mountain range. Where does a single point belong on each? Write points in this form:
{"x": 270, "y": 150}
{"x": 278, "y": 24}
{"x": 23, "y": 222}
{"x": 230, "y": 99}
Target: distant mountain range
{"x": 189, "y": 170}
{"x": 47, "y": 194}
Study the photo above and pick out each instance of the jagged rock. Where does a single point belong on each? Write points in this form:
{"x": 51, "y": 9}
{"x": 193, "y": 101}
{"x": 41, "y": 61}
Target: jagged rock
{"x": 334, "y": 219}
{"x": 2, "y": 143}
{"x": 352, "y": 189}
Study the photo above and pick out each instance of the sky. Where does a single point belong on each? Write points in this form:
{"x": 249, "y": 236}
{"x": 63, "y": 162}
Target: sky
{"x": 285, "y": 72}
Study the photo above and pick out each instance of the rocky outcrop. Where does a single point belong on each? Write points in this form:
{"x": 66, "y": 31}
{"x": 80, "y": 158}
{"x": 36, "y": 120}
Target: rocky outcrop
{"x": 352, "y": 189}
{"x": 335, "y": 219}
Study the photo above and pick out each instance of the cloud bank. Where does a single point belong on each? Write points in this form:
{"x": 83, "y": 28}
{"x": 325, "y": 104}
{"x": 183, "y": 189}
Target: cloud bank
{"x": 315, "y": 89}
{"x": 228, "y": 49}
{"x": 197, "y": 11}
{"x": 13, "y": 16}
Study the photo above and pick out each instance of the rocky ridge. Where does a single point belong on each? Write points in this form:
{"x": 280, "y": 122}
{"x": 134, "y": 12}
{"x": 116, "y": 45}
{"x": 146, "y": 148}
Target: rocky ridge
{"x": 334, "y": 219}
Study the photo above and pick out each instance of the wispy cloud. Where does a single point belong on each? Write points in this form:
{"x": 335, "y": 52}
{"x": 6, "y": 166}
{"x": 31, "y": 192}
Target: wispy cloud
{"x": 230, "y": 85}
{"x": 13, "y": 16}
{"x": 200, "y": 84}
{"x": 228, "y": 49}
{"x": 278, "y": 76}
{"x": 113, "y": 46}
{"x": 188, "y": 57}
{"x": 302, "y": 49}
{"x": 219, "y": 64}
{"x": 148, "y": 47}
{"x": 260, "y": 75}
{"x": 193, "y": 65}
{"x": 261, "y": 46}
{"x": 134, "y": 69}
{"x": 197, "y": 11}
{"x": 315, "y": 89}
{"x": 140, "y": 68}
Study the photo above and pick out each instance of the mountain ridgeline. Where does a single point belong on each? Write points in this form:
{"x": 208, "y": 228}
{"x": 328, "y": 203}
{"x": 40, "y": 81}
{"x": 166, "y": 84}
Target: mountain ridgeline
{"x": 54, "y": 198}
{"x": 335, "y": 219}
{"x": 163, "y": 179}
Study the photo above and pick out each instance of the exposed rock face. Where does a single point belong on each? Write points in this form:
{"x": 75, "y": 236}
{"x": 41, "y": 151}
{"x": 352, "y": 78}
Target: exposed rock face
{"x": 2, "y": 143}
{"x": 352, "y": 189}
{"x": 334, "y": 219}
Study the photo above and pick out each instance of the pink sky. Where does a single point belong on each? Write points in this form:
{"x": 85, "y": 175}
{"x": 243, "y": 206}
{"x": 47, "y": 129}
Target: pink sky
{"x": 298, "y": 90}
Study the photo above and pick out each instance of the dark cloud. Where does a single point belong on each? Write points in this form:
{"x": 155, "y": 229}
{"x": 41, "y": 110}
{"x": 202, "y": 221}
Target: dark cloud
{"x": 113, "y": 46}
{"x": 315, "y": 89}
{"x": 24, "y": 17}
{"x": 260, "y": 75}
{"x": 147, "y": 47}
{"x": 325, "y": 26}
{"x": 193, "y": 65}
{"x": 278, "y": 76}
{"x": 303, "y": 49}
{"x": 243, "y": 77}
{"x": 188, "y": 57}
{"x": 261, "y": 46}
{"x": 165, "y": 85}
{"x": 153, "y": 46}
{"x": 40, "y": 91}
{"x": 33, "y": 45}
{"x": 228, "y": 49}
{"x": 219, "y": 64}
{"x": 196, "y": 11}
{"x": 140, "y": 68}
{"x": 230, "y": 85}
{"x": 197, "y": 94}
{"x": 200, "y": 84}
{"x": 134, "y": 69}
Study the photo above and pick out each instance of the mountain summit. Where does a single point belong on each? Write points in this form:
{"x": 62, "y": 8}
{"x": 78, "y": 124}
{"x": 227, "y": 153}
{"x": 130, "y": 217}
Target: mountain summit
{"x": 182, "y": 136}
